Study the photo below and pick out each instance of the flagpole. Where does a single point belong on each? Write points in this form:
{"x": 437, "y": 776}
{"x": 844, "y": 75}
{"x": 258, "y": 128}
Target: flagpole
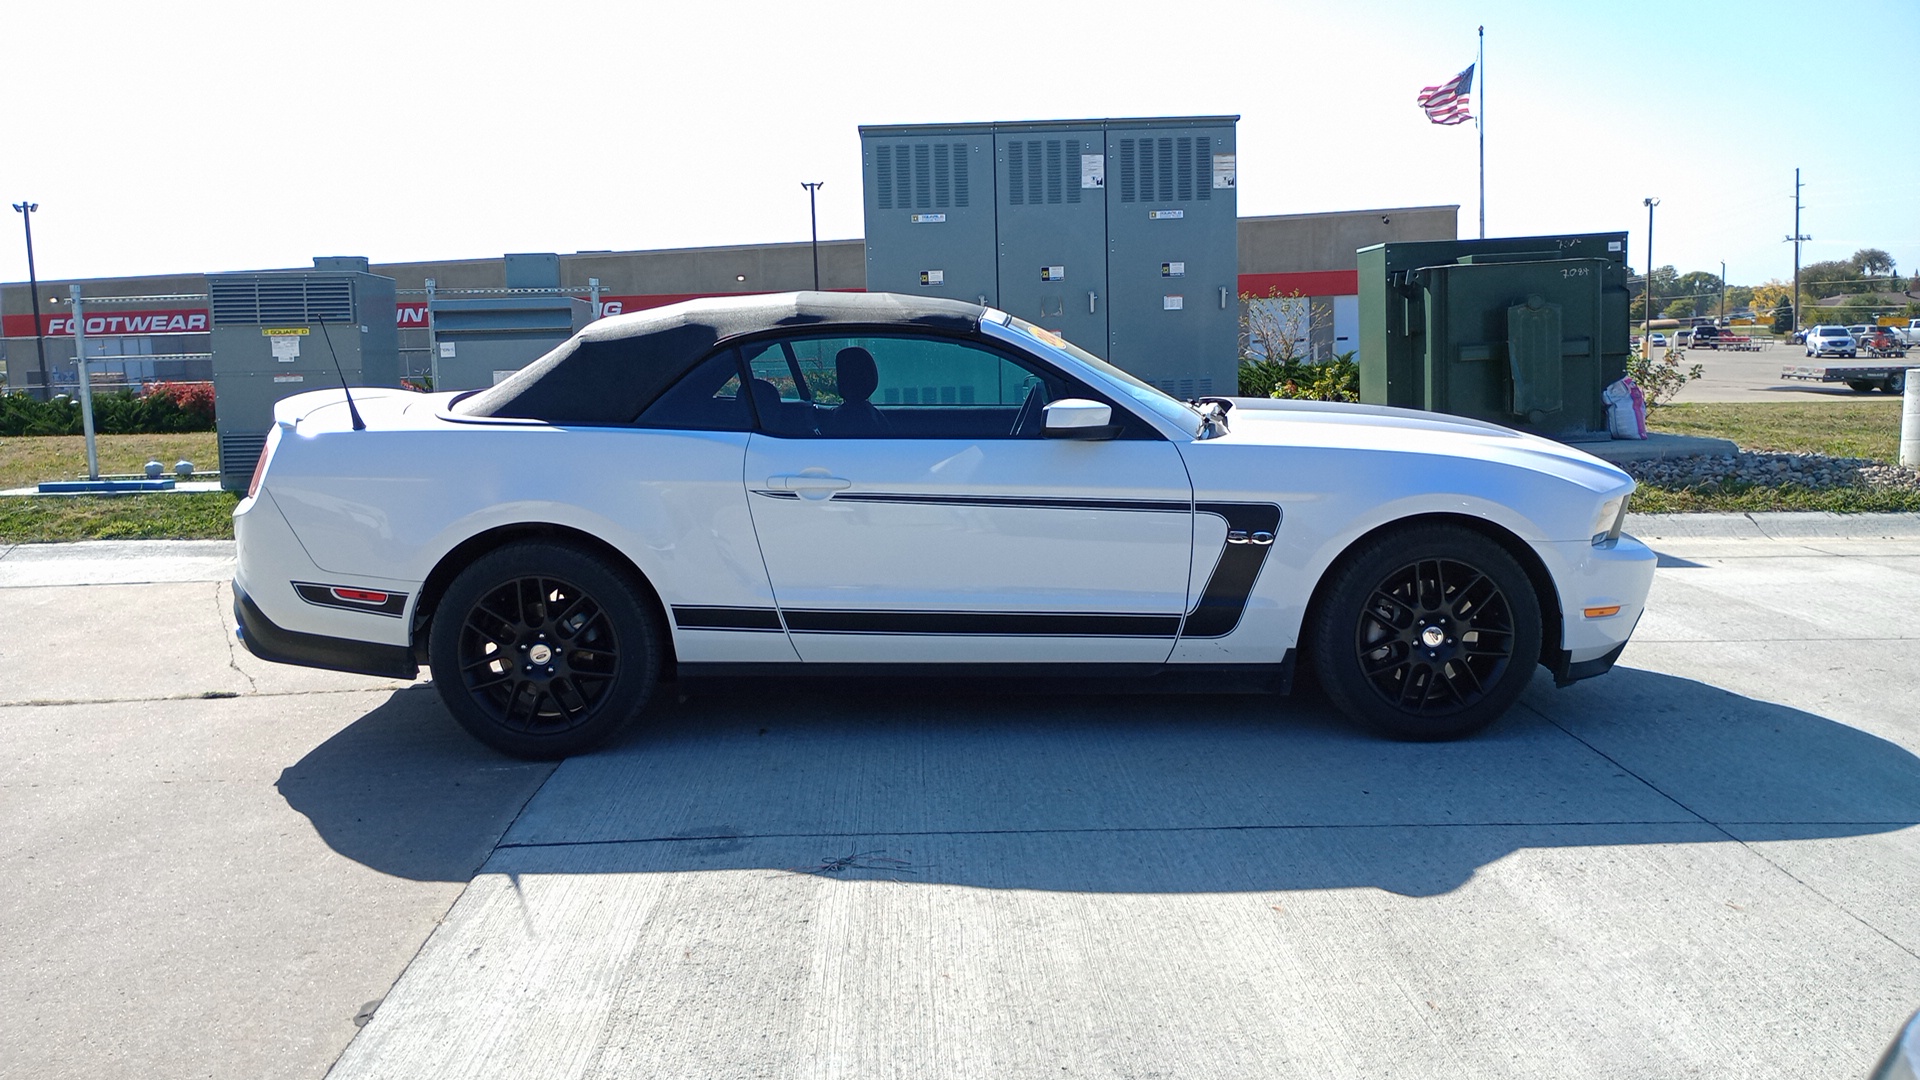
{"x": 1480, "y": 122}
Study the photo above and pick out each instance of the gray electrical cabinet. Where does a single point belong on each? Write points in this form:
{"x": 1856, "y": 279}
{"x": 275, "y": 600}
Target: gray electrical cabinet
{"x": 1120, "y": 235}
{"x": 481, "y": 339}
{"x": 931, "y": 189}
{"x": 278, "y": 333}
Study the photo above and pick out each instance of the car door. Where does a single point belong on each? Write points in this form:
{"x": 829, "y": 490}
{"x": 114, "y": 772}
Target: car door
{"x": 909, "y": 509}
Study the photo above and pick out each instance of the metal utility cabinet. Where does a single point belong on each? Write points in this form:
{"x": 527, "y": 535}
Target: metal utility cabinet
{"x": 484, "y": 337}
{"x": 1120, "y": 235}
{"x": 278, "y": 333}
{"x": 1521, "y": 331}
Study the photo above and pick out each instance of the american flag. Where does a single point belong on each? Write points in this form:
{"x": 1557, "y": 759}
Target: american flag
{"x": 1447, "y": 103}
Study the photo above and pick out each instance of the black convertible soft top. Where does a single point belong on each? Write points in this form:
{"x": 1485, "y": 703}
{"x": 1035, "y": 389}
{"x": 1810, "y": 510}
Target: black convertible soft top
{"x": 611, "y": 371}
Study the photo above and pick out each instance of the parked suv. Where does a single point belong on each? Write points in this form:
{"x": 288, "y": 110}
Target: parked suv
{"x": 1830, "y": 341}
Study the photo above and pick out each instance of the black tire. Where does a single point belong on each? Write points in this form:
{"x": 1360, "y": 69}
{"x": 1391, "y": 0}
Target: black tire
{"x": 1896, "y": 383}
{"x": 1863, "y": 385}
{"x": 590, "y": 627}
{"x": 1430, "y": 632}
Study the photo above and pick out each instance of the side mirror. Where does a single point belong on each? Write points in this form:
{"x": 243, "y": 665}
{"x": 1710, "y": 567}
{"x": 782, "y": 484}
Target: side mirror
{"x": 1078, "y": 418}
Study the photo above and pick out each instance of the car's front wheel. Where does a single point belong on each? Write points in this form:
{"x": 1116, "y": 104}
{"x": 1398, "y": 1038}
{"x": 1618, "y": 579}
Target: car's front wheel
{"x": 542, "y": 650}
{"x": 1896, "y": 383}
{"x": 1429, "y": 632}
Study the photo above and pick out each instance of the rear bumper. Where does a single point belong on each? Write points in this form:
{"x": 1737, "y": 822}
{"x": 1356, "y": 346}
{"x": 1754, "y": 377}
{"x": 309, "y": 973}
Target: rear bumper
{"x": 268, "y": 641}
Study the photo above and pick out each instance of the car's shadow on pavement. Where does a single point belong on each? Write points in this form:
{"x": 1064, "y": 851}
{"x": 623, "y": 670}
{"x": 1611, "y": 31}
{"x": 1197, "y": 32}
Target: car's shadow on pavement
{"x": 1110, "y": 793}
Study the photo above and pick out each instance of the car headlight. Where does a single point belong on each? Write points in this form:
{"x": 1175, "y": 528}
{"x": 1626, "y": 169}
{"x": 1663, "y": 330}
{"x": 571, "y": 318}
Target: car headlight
{"x": 1607, "y": 522}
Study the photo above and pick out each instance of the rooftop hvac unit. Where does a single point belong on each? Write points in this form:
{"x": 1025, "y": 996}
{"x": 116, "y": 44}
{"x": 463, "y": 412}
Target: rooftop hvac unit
{"x": 279, "y": 333}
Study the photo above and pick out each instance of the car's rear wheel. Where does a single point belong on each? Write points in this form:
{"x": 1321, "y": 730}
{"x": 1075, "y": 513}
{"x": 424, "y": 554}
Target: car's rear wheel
{"x": 1896, "y": 383}
{"x": 1429, "y": 632}
{"x": 543, "y": 650}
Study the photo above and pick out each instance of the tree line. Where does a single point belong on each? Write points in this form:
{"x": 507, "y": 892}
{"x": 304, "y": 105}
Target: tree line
{"x": 1861, "y": 287}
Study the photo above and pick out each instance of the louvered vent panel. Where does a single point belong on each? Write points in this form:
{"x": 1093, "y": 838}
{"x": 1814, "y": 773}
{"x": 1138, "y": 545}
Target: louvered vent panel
{"x": 883, "y": 175}
{"x": 942, "y": 175}
{"x": 1016, "y": 173}
{"x": 1183, "y": 152}
{"x": 1036, "y": 175}
{"x": 262, "y": 302}
{"x": 923, "y": 177}
{"x": 1054, "y": 167}
{"x": 1203, "y": 168}
{"x": 902, "y": 176}
{"x": 960, "y": 157}
{"x": 1126, "y": 171}
{"x": 1075, "y": 151}
{"x": 240, "y": 452}
{"x": 1163, "y": 172}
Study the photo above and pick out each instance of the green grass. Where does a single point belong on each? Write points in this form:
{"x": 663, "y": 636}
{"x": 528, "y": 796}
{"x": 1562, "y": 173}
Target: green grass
{"x": 28, "y": 460}
{"x": 1862, "y": 429}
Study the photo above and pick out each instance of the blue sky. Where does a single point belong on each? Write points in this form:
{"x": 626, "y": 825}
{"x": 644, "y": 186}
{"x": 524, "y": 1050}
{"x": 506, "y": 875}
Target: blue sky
{"x": 193, "y": 136}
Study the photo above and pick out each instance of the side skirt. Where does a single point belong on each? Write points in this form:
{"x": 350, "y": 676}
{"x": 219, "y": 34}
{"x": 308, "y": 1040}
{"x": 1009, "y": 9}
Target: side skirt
{"x": 1021, "y": 678}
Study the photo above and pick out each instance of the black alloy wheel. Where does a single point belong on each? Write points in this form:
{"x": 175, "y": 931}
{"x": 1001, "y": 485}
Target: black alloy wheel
{"x": 542, "y": 650}
{"x": 1428, "y": 633}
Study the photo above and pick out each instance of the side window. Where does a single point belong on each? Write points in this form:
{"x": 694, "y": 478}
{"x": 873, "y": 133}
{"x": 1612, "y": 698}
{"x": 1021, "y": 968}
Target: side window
{"x": 708, "y": 398}
{"x": 899, "y": 387}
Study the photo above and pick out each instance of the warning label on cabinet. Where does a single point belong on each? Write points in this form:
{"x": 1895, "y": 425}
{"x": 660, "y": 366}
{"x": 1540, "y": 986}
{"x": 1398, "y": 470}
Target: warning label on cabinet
{"x": 1173, "y": 303}
{"x": 933, "y": 277}
{"x": 1173, "y": 269}
{"x": 1093, "y": 170}
{"x": 1223, "y": 170}
{"x": 1053, "y": 273}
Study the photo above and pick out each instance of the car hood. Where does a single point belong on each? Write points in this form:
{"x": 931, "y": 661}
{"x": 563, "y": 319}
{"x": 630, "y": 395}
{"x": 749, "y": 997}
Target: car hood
{"x": 1329, "y": 425}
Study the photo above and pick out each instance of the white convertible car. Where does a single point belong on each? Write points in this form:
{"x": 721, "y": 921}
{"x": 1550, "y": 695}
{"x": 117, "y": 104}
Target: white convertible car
{"x": 877, "y": 485}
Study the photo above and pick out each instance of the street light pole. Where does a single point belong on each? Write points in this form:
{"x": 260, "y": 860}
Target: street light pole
{"x": 1648, "y": 339}
{"x": 26, "y": 210}
{"x": 814, "y": 217}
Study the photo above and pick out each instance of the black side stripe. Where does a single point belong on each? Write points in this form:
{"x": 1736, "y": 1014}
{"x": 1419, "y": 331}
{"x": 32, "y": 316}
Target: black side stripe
{"x": 727, "y": 618}
{"x": 991, "y": 623}
{"x": 1152, "y": 506}
{"x": 1225, "y": 597}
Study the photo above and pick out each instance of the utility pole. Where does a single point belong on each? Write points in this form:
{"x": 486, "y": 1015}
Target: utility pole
{"x": 1796, "y": 239}
{"x": 26, "y": 210}
{"x": 1723, "y": 293}
{"x": 1648, "y": 339}
{"x": 814, "y": 217}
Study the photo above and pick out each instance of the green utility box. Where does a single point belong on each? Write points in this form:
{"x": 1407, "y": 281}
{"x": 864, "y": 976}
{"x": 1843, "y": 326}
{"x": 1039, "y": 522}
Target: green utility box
{"x": 1521, "y": 331}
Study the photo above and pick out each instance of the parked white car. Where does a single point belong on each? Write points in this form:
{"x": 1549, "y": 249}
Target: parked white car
{"x": 1830, "y": 341}
{"x": 859, "y": 485}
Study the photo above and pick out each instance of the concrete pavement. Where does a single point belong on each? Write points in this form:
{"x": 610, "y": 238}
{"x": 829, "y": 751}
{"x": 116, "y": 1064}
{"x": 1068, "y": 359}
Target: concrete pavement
{"x": 1701, "y": 864}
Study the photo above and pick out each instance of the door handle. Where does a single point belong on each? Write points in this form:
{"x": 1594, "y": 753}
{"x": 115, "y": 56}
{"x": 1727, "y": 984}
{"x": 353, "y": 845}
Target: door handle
{"x": 808, "y": 485}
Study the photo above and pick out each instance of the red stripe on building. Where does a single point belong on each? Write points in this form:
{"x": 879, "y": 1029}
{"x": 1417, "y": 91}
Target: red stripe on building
{"x": 1304, "y": 282}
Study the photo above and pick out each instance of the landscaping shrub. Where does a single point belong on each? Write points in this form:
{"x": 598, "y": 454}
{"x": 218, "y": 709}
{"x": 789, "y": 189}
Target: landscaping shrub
{"x": 164, "y": 408}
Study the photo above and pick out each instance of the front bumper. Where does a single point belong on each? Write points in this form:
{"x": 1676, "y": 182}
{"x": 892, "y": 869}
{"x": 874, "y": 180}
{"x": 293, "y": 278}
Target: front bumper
{"x": 1593, "y": 578}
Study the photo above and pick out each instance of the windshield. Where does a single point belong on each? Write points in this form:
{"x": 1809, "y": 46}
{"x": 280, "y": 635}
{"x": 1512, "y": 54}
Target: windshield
{"x": 1144, "y": 394}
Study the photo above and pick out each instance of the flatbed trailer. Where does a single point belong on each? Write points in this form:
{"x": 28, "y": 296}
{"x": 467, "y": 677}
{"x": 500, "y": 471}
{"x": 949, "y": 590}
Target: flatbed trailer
{"x": 1711, "y": 337}
{"x": 1891, "y": 378}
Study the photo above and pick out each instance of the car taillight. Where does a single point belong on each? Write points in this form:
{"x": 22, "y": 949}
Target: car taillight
{"x": 260, "y": 466}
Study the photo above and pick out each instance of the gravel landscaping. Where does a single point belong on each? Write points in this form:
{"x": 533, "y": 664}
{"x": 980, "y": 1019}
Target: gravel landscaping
{"x": 1813, "y": 471}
